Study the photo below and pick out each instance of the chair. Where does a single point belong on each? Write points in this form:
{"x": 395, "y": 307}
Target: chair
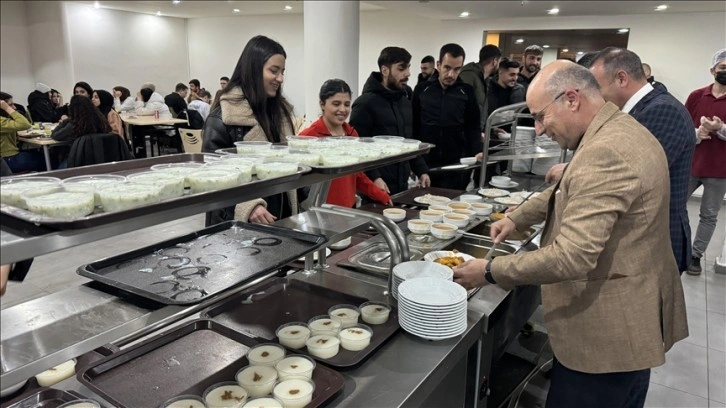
{"x": 192, "y": 140}
{"x": 98, "y": 148}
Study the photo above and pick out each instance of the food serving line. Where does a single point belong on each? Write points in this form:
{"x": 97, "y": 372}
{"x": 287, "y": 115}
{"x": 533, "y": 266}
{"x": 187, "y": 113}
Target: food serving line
{"x": 404, "y": 371}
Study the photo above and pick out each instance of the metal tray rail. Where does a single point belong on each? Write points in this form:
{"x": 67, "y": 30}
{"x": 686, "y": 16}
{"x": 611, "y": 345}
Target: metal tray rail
{"x": 259, "y": 311}
{"x": 186, "y": 360}
{"x": 187, "y": 269}
{"x": 43, "y": 398}
{"x": 354, "y": 168}
{"x": 134, "y": 166}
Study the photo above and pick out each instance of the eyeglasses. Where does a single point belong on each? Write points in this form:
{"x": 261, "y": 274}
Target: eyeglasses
{"x": 539, "y": 117}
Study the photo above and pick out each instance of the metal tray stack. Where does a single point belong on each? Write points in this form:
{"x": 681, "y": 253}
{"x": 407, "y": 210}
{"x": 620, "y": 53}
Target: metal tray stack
{"x": 186, "y": 360}
{"x": 193, "y": 267}
{"x": 45, "y": 398}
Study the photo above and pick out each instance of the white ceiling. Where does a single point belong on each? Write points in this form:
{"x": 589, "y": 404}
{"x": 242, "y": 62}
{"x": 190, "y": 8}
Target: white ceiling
{"x": 439, "y": 10}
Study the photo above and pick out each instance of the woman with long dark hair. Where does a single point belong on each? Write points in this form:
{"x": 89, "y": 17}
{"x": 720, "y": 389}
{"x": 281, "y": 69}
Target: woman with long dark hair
{"x": 103, "y": 100}
{"x": 251, "y": 108}
{"x": 122, "y": 100}
{"x": 85, "y": 119}
{"x": 335, "y": 100}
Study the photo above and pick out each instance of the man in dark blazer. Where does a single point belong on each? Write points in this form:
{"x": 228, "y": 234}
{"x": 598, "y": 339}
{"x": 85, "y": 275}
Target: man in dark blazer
{"x": 623, "y": 82}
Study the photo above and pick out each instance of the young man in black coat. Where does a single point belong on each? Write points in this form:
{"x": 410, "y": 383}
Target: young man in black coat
{"x": 384, "y": 109}
{"x": 446, "y": 113}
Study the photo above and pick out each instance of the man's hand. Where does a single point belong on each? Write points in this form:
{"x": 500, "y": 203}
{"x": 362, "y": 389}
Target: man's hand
{"x": 63, "y": 118}
{"x": 702, "y": 134}
{"x": 501, "y": 229}
{"x": 511, "y": 209}
{"x": 479, "y": 157}
{"x": 424, "y": 181}
{"x": 260, "y": 215}
{"x": 382, "y": 185}
{"x": 554, "y": 174}
{"x": 712, "y": 125}
{"x": 470, "y": 274}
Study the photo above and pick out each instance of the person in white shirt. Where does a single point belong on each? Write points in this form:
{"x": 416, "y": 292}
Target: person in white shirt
{"x": 149, "y": 102}
{"x": 201, "y": 103}
{"x": 122, "y": 100}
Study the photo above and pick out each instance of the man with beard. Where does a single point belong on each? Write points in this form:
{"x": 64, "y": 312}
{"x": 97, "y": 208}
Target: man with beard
{"x": 427, "y": 68}
{"x": 476, "y": 75}
{"x": 446, "y": 113}
{"x": 505, "y": 90}
{"x": 532, "y": 64}
{"x": 384, "y": 109}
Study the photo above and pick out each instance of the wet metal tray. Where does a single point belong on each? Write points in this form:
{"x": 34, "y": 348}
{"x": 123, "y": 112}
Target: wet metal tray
{"x": 363, "y": 166}
{"x": 44, "y": 398}
{"x": 186, "y": 360}
{"x": 10, "y": 213}
{"x": 190, "y": 268}
{"x": 263, "y": 308}
{"x": 407, "y": 197}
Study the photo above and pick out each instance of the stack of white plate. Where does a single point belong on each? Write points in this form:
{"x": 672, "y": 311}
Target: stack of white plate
{"x": 432, "y": 308}
{"x": 419, "y": 269}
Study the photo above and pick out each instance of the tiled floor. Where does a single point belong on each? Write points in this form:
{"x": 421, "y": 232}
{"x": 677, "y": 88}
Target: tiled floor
{"x": 693, "y": 376}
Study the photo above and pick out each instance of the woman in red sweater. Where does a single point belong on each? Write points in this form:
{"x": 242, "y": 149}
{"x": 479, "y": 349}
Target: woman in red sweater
{"x": 335, "y": 100}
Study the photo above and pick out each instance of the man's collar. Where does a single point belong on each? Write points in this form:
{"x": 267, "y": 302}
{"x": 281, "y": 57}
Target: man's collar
{"x": 630, "y": 104}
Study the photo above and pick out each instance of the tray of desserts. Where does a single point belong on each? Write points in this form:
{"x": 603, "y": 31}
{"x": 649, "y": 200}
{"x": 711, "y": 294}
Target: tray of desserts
{"x": 418, "y": 196}
{"x": 337, "y": 154}
{"x": 334, "y": 328}
{"x": 204, "y": 363}
{"x": 43, "y": 397}
{"x": 94, "y": 195}
{"x": 188, "y": 269}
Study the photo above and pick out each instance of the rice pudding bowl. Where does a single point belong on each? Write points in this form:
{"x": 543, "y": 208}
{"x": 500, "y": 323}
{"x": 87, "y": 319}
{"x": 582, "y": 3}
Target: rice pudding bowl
{"x": 323, "y": 346}
{"x": 209, "y": 180}
{"x": 244, "y": 171}
{"x": 274, "y": 169}
{"x": 294, "y": 393}
{"x": 82, "y": 403}
{"x": 347, "y": 315}
{"x": 185, "y": 401}
{"x": 252, "y": 147}
{"x": 263, "y": 403}
{"x": 293, "y": 335}
{"x": 93, "y": 181}
{"x": 374, "y": 312}
{"x": 172, "y": 184}
{"x": 323, "y": 324}
{"x": 225, "y": 395}
{"x": 355, "y": 338}
{"x": 11, "y": 189}
{"x": 258, "y": 381}
{"x": 61, "y": 203}
{"x": 266, "y": 354}
{"x": 295, "y": 367}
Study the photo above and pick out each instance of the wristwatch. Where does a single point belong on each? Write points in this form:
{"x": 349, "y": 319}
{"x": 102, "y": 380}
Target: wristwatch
{"x": 488, "y": 273}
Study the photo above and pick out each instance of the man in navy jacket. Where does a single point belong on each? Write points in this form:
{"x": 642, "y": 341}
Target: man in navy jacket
{"x": 623, "y": 82}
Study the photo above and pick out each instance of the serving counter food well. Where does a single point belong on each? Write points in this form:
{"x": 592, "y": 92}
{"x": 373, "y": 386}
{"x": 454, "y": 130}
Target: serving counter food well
{"x": 396, "y": 369}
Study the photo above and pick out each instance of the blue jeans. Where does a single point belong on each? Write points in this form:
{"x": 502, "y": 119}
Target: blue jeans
{"x": 713, "y": 193}
{"x": 26, "y": 160}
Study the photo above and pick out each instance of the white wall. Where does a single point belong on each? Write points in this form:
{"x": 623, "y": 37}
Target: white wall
{"x": 215, "y": 45}
{"x": 111, "y": 47}
{"x": 17, "y": 75}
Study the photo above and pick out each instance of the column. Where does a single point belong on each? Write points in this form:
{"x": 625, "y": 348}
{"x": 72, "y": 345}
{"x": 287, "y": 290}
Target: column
{"x": 331, "y": 38}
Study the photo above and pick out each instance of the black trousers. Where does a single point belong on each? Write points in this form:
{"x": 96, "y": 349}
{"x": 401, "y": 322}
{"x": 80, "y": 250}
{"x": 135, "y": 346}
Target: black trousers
{"x": 570, "y": 388}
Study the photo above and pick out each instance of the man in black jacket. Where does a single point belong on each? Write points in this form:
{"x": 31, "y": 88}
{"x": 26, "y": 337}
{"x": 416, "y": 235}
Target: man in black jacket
{"x": 40, "y": 107}
{"x": 384, "y": 109}
{"x": 504, "y": 89}
{"x": 175, "y": 100}
{"x": 446, "y": 113}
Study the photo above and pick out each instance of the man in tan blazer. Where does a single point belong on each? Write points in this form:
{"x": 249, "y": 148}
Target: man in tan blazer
{"x": 611, "y": 293}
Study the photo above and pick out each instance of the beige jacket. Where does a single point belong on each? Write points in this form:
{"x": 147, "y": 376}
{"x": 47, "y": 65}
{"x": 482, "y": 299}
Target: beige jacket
{"x": 236, "y": 111}
{"x": 611, "y": 290}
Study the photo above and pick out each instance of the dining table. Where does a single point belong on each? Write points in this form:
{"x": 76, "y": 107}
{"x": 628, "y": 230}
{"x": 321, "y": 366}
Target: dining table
{"x": 131, "y": 120}
{"x": 38, "y": 138}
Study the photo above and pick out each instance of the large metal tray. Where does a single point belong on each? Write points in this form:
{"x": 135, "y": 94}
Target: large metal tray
{"x": 264, "y": 307}
{"x": 134, "y": 166}
{"x": 354, "y": 168}
{"x": 44, "y": 398}
{"x": 187, "y": 269}
{"x": 186, "y": 360}
{"x": 407, "y": 197}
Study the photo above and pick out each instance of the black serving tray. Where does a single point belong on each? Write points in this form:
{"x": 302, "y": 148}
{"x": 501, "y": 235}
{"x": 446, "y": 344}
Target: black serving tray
{"x": 260, "y": 310}
{"x": 188, "y": 269}
{"x": 134, "y": 166}
{"x": 186, "y": 360}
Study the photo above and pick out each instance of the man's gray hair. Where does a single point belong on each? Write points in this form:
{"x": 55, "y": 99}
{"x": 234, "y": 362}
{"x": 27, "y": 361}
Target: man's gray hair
{"x": 572, "y": 76}
{"x": 718, "y": 57}
{"x": 149, "y": 85}
{"x": 534, "y": 50}
{"x": 616, "y": 59}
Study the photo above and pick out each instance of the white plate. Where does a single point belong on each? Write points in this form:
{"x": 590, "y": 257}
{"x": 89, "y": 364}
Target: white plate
{"x": 512, "y": 184}
{"x": 315, "y": 255}
{"x": 432, "y": 291}
{"x": 434, "y": 336}
{"x": 426, "y": 198}
{"x": 524, "y": 194}
{"x": 493, "y": 192}
{"x": 433, "y": 332}
{"x": 454, "y": 167}
{"x": 504, "y": 136}
{"x": 431, "y": 311}
{"x": 421, "y": 269}
{"x": 434, "y": 255}
{"x": 509, "y": 200}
